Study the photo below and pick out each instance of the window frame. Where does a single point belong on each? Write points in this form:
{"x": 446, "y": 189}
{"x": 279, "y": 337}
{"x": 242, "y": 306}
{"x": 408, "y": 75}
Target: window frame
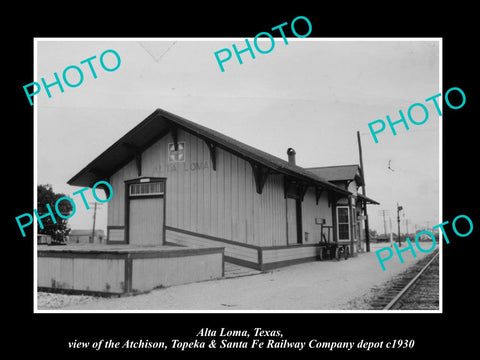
{"x": 343, "y": 223}
{"x": 161, "y": 192}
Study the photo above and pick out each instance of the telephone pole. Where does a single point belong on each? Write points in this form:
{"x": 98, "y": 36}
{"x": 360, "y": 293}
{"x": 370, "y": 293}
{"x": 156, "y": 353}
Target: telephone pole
{"x": 92, "y": 240}
{"x": 384, "y": 213}
{"x": 94, "y": 217}
{"x": 398, "y": 222}
{"x": 391, "y": 231}
{"x": 364, "y": 192}
{"x": 384, "y": 222}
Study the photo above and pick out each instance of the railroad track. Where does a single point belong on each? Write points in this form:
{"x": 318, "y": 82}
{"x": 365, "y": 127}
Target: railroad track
{"x": 417, "y": 288}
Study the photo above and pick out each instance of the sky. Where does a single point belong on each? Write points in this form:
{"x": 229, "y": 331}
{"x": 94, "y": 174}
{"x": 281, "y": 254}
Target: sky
{"x": 312, "y": 94}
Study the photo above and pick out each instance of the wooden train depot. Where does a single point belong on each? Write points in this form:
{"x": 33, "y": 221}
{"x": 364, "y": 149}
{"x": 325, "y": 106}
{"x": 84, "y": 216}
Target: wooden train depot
{"x": 183, "y": 191}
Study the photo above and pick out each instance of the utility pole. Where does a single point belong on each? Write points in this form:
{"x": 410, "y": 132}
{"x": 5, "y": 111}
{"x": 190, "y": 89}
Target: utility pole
{"x": 93, "y": 229}
{"x": 391, "y": 231}
{"x": 384, "y": 213}
{"x": 384, "y": 222}
{"x": 364, "y": 192}
{"x": 398, "y": 222}
{"x": 92, "y": 240}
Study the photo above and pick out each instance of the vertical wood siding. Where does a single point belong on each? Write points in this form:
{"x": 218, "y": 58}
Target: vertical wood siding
{"x": 103, "y": 275}
{"x": 221, "y": 203}
{"x": 236, "y": 251}
{"x": 310, "y": 211}
{"x": 325, "y": 211}
{"x": 124, "y": 271}
{"x": 151, "y": 273}
{"x": 288, "y": 254}
{"x": 116, "y": 205}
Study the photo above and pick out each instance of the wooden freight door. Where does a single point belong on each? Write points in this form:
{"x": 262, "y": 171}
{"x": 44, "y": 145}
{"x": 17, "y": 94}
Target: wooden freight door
{"x": 146, "y": 214}
{"x": 146, "y": 221}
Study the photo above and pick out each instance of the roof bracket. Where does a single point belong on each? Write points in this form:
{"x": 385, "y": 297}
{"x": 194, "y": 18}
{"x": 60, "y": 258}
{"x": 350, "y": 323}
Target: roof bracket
{"x": 318, "y": 193}
{"x": 137, "y": 152}
{"x": 213, "y": 154}
{"x": 260, "y": 173}
{"x": 174, "y": 132}
{"x": 105, "y": 188}
{"x": 302, "y": 191}
{"x": 138, "y": 163}
{"x": 333, "y": 198}
{"x": 286, "y": 186}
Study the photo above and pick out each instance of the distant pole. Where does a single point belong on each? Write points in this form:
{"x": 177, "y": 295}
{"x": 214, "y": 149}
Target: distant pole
{"x": 94, "y": 216}
{"x": 398, "y": 222}
{"x": 384, "y": 213}
{"x": 367, "y": 230}
{"x": 391, "y": 231}
{"x": 384, "y": 222}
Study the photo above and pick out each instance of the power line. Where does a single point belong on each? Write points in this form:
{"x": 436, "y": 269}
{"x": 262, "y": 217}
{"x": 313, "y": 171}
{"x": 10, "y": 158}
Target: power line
{"x": 94, "y": 218}
{"x": 384, "y": 213}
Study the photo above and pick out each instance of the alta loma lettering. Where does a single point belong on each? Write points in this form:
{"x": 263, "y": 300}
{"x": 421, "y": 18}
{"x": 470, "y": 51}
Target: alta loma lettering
{"x": 182, "y": 166}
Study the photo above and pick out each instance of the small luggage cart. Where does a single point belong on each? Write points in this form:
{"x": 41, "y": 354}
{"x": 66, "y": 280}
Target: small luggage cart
{"x": 330, "y": 249}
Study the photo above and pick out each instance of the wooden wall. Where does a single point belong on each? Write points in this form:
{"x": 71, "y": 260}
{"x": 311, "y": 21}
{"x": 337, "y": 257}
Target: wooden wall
{"x": 273, "y": 258}
{"x": 310, "y": 211}
{"x": 116, "y": 205}
{"x": 261, "y": 258}
{"x": 118, "y": 271}
{"x": 81, "y": 274}
{"x": 221, "y": 203}
{"x": 152, "y": 273}
{"x": 242, "y": 254}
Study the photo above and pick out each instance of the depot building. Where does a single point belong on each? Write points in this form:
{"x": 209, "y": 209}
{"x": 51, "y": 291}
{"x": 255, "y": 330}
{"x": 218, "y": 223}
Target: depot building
{"x": 177, "y": 182}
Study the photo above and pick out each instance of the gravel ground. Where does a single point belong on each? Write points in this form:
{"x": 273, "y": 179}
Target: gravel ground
{"x": 47, "y": 300}
{"x": 321, "y": 285}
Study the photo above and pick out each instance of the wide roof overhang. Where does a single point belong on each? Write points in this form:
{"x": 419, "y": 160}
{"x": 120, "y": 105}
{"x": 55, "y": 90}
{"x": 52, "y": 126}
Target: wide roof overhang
{"x": 160, "y": 123}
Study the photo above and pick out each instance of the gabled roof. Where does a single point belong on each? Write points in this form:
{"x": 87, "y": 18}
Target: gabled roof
{"x": 339, "y": 173}
{"x": 343, "y": 173}
{"x": 161, "y": 122}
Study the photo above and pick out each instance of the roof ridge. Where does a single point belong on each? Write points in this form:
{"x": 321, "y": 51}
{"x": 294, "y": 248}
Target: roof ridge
{"x": 153, "y": 123}
{"x": 330, "y": 166}
{"x": 283, "y": 163}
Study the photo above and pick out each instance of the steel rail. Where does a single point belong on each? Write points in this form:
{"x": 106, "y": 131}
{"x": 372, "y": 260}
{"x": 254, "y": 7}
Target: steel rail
{"x": 410, "y": 284}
